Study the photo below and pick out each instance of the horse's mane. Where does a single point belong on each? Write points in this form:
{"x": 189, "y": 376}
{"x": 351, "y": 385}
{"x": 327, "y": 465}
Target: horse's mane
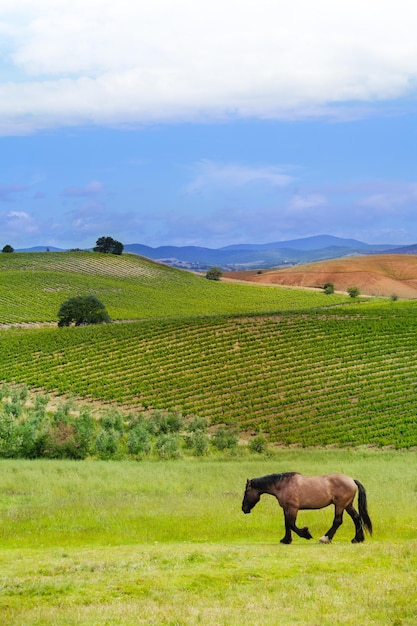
{"x": 271, "y": 479}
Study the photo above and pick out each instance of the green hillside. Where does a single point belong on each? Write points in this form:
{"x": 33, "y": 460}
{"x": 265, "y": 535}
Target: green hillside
{"x": 33, "y": 286}
{"x": 343, "y": 375}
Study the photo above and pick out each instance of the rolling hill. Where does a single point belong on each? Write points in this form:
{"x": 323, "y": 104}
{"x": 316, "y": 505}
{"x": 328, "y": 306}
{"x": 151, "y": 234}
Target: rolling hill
{"x": 303, "y": 367}
{"x": 33, "y": 286}
{"x": 383, "y": 275}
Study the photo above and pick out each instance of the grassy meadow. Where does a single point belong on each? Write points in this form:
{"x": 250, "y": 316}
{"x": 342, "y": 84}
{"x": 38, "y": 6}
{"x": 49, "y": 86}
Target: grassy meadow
{"x": 330, "y": 381}
{"x": 166, "y": 543}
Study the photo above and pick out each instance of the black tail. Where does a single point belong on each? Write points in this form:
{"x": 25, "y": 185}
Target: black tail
{"x": 363, "y": 507}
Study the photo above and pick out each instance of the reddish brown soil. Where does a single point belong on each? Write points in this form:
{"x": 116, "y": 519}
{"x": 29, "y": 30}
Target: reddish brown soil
{"x": 384, "y": 275}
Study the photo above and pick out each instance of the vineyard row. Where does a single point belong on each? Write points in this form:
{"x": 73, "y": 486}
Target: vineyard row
{"x": 328, "y": 378}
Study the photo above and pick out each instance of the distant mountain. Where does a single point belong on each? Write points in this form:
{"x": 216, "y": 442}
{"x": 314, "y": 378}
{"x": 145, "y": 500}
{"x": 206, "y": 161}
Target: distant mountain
{"x": 255, "y": 256}
{"x": 258, "y": 256}
{"x": 412, "y": 249}
{"x": 317, "y": 242}
{"x": 41, "y": 249}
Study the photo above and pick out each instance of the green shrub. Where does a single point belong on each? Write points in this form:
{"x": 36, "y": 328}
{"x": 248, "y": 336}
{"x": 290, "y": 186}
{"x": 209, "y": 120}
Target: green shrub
{"x": 258, "y": 444}
{"x": 214, "y": 273}
{"x": 196, "y": 438}
{"x": 85, "y": 426}
{"x": 107, "y": 443}
{"x": 197, "y": 424}
{"x": 139, "y": 440}
{"x": 225, "y": 438}
{"x": 353, "y": 292}
{"x": 160, "y": 421}
{"x": 34, "y": 433}
{"x": 168, "y": 446}
{"x": 198, "y": 443}
{"x": 4, "y": 391}
{"x": 112, "y": 420}
{"x": 10, "y": 435}
{"x": 13, "y": 408}
{"x": 40, "y": 403}
{"x": 69, "y": 436}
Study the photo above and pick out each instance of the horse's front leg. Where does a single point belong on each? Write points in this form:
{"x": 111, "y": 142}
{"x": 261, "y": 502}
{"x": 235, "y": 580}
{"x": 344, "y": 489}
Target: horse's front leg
{"x": 337, "y": 521}
{"x": 290, "y": 525}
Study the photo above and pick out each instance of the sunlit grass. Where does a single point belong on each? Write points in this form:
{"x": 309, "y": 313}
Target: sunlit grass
{"x": 211, "y": 584}
{"x": 166, "y": 543}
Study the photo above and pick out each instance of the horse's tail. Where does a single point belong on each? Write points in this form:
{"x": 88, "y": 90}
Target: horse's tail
{"x": 363, "y": 507}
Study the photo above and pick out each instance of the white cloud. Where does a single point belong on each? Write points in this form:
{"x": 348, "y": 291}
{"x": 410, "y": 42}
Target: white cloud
{"x": 17, "y": 223}
{"x": 305, "y": 202}
{"x": 94, "y": 188}
{"x": 103, "y": 62}
{"x": 9, "y": 191}
{"x": 211, "y": 175}
{"x": 392, "y": 198}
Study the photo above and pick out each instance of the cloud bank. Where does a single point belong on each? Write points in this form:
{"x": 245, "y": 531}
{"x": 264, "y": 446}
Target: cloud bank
{"x": 211, "y": 175}
{"x": 125, "y": 63}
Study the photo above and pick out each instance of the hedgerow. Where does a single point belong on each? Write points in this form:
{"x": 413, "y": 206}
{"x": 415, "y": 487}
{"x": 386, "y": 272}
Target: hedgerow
{"x": 29, "y": 429}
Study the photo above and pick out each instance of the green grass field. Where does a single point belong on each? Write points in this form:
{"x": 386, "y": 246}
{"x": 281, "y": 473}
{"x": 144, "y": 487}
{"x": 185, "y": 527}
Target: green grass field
{"x": 166, "y": 543}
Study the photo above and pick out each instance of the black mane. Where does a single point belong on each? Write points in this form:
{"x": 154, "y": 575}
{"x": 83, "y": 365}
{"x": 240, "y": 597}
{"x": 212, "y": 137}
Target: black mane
{"x": 263, "y": 482}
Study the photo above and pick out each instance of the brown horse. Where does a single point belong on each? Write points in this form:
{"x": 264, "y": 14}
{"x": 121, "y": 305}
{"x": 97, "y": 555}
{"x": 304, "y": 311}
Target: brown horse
{"x": 296, "y": 492}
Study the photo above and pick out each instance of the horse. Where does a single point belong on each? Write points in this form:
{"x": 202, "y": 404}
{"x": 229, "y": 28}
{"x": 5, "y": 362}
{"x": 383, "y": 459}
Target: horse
{"x": 296, "y": 492}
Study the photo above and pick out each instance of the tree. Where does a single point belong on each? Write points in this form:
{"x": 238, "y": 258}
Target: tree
{"x": 353, "y": 292}
{"x": 82, "y": 310}
{"x": 328, "y": 288}
{"x": 8, "y": 248}
{"x": 214, "y": 273}
{"x": 108, "y": 245}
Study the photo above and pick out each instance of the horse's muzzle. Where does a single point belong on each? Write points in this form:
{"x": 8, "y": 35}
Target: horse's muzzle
{"x": 245, "y": 511}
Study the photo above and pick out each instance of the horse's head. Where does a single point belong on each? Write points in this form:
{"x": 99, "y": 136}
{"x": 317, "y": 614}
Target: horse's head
{"x": 250, "y": 498}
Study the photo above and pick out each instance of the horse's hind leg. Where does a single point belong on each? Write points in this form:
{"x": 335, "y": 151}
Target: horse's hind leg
{"x": 337, "y": 521}
{"x": 359, "y": 535}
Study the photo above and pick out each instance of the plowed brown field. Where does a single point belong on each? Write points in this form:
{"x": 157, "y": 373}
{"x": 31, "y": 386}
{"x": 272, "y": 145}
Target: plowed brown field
{"x": 384, "y": 275}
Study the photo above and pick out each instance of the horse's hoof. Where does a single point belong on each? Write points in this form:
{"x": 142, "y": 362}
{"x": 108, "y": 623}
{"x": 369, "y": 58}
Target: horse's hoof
{"x": 324, "y": 539}
{"x": 286, "y": 541}
{"x": 307, "y": 534}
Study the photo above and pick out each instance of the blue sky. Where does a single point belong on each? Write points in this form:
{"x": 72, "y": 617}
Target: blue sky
{"x": 195, "y": 123}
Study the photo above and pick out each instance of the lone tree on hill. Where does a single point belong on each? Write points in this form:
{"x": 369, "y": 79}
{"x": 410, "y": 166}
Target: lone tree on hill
{"x": 108, "y": 245}
{"x": 328, "y": 288}
{"x": 214, "y": 273}
{"x": 82, "y": 310}
{"x": 353, "y": 292}
{"x": 8, "y": 248}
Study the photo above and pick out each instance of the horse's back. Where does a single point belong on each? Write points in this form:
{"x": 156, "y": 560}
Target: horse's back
{"x": 320, "y": 491}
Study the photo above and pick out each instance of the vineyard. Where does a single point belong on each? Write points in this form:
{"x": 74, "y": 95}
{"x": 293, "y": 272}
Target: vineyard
{"x": 33, "y": 286}
{"x": 331, "y": 376}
